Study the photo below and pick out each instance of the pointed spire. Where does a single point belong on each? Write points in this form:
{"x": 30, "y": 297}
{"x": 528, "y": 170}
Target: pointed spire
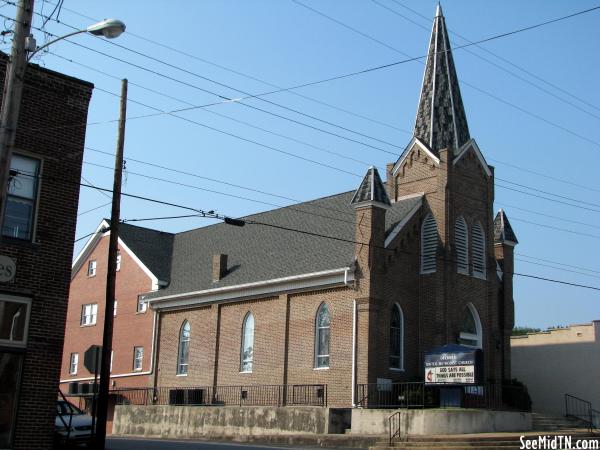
{"x": 371, "y": 191}
{"x": 441, "y": 121}
{"x": 503, "y": 232}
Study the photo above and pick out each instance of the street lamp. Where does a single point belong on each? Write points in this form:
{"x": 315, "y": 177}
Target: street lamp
{"x": 109, "y": 28}
{"x": 13, "y": 83}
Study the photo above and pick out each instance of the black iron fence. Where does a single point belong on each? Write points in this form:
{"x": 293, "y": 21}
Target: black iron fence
{"x": 253, "y": 395}
{"x": 420, "y": 395}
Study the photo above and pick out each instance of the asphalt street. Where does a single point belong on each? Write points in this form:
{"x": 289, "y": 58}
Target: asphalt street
{"x": 167, "y": 444}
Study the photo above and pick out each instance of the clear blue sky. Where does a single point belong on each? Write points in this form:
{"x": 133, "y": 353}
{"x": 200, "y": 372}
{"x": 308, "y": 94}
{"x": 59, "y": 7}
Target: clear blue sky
{"x": 285, "y": 44}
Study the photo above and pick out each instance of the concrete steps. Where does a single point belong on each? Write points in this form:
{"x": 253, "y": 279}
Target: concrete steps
{"x": 484, "y": 441}
{"x": 544, "y": 422}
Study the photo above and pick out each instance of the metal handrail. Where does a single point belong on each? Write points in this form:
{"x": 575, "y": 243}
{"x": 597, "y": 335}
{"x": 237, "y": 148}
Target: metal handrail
{"x": 238, "y": 395}
{"x": 580, "y": 409}
{"x": 70, "y": 416}
{"x": 394, "y": 427}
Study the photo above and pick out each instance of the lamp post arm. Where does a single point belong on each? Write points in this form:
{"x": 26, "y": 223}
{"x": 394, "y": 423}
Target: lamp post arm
{"x": 47, "y": 44}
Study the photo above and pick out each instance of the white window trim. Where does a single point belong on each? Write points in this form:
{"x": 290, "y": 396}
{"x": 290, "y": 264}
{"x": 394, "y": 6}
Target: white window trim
{"x": 251, "y": 360}
{"x": 94, "y": 316}
{"x": 479, "y": 328}
{"x": 316, "y": 349}
{"x": 73, "y": 362}
{"x": 135, "y": 358}
{"x": 92, "y": 268}
{"x": 27, "y": 303}
{"x": 141, "y": 301}
{"x": 178, "y": 371}
{"x": 36, "y": 202}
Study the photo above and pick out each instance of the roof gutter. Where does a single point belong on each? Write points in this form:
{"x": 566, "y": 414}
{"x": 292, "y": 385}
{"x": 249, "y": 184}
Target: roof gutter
{"x": 343, "y": 276}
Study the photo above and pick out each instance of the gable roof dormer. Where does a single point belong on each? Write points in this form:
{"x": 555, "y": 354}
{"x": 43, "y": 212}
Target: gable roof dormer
{"x": 441, "y": 121}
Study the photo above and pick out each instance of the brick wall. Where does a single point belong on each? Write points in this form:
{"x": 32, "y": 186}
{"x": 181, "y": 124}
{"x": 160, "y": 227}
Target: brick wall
{"x": 284, "y": 346}
{"x": 52, "y": 104}
{"x": 433, "y": 305}
{"x": 131, "y": 328}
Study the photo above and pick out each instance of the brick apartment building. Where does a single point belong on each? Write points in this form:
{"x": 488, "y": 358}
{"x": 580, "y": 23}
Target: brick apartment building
{"x": 142, "y": 266}
{"x": 36, "y": 247}
{"x": 349, "y": 289}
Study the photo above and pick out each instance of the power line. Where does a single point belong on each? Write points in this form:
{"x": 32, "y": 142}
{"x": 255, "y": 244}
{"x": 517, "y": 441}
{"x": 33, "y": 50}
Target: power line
{"x": 226, "y": 99}
{"x": 299, "y": 141}
{"x": 313, "y": 146}
{"x": 550, "y": 216}
{"x": 557, "y": 268}
{"x": 595, "y": 236}
{"x": 522, "y": 69}
{"x": 546, "y": 198}
{"x": 93, "y": 209}
{"x": 548, "y": 193}
{"x": 557, "y": 263}
{"x": 550, "y": 177}
{"x": 250, "y": 77}
{"x": 504, "y": 69}
{"x": 472, "y": 86}
{"x": 211, "y": 214}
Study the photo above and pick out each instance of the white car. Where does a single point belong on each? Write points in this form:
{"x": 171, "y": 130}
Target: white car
{"x": 72, "y": 425}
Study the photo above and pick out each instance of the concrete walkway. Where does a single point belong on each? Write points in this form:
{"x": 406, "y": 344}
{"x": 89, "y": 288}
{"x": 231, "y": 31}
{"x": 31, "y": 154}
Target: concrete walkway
{"x": 298, "y": 441}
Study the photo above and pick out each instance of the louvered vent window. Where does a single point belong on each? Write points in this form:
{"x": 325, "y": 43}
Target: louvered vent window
{"x": 429, "y": 242}
{"x": 478, "y": 251}
{"x": 461, "y": 244}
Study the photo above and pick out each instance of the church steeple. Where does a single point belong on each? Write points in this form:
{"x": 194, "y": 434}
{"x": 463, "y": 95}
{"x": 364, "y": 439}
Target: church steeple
{"x": 441, "y": 121}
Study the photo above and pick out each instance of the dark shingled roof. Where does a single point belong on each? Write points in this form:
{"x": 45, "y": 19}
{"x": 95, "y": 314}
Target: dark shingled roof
{"x": 371, "y": 189}
{"x": 261, "y": 251}
{"x": 502, "y": 230}
{"x": 154, "y": 248}
{"x": 441, "y": 121}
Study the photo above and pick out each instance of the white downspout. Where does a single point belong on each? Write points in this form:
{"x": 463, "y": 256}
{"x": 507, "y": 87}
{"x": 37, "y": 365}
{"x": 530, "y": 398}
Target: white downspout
{"x": 354, "y": 353}
{"x": 154, "y": 337}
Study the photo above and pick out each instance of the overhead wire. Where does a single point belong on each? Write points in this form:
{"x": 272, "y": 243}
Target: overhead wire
{"x": 498, "y": 66}
{"x": 506, "y": 60}
{"x": 245, "y": 75}
{"x": 472, "y": 86}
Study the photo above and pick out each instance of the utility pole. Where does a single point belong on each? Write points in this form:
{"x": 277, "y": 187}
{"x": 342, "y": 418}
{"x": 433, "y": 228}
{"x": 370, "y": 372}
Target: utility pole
{"x": 12, "y": 94}
{"x": 111, "y": 278}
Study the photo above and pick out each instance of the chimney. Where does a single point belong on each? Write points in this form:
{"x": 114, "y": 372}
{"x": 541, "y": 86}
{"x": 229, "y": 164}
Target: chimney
{"x": 219, "y": 266}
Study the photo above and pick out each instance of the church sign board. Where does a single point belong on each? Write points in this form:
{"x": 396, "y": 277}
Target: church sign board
{"x": 453, "y": 364}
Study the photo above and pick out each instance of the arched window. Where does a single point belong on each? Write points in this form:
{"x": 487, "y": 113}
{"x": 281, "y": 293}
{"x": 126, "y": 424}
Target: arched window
{"x": 478, "y": 251}
{"x": 461, "y": 243}
{"x": 247, "y": 353}
{"x": 322, "y": 324}
{"x": 471, "y": 333}
{"x": 429, "y": 243}
{"x": 397, "y": 338}
{"x": 184, "y": 348}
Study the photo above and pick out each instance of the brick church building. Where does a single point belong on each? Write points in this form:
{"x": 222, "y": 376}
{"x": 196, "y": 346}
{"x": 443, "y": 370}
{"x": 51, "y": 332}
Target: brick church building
{"x": 347, "y": 289}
